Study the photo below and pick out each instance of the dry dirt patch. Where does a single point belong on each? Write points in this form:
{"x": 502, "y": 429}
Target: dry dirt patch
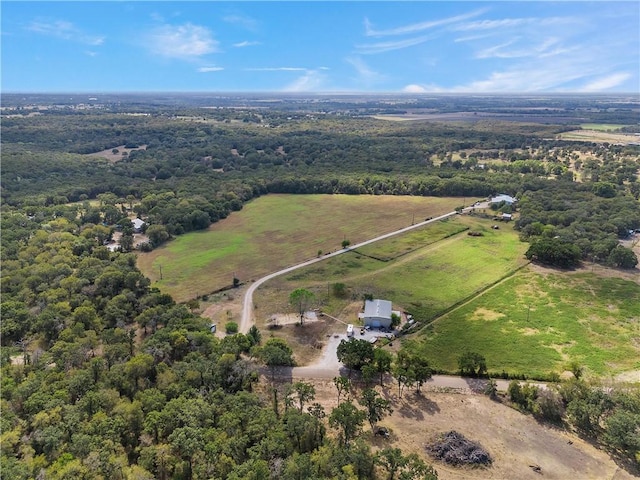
{"x": 486, "y": 314}
{"x": 515, "y": 441}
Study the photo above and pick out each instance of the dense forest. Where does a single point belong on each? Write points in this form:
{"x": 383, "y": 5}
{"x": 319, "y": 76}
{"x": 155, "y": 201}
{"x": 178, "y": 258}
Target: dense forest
{"x": 104, "y": 376}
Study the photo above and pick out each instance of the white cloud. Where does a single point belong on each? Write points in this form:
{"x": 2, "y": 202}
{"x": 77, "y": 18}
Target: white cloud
{"x": 366, "y": 74}
{"x": 605, "y": 83}
{"x": 242, "y": 20}
{"x": 246, "y": 43}
{"x": 413, "y": 88}
{"x": 64, "y": 30}
{"x": 524, "y": 47}
{"x": 311, "y": 81}
{"x": 276, "y": 69}
{"x": 505, "y": 23}
{"x": 210, "y": 69}
{"x": 373, "y": 48}
{"x": 417, "y": 27}
{"x": 186, "y": 41}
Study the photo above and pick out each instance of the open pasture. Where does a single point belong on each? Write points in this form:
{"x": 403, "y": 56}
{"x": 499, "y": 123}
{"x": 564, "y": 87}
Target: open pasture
{"x": 426, "y": 271}
{"x": 599, "y": 136}
{"x": 276, "y": 231}
{"x": 537, "y": 322}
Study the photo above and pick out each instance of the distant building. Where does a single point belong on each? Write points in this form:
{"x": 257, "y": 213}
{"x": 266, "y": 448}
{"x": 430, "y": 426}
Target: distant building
{"x": 509, "y": 200}
{"x": 377, "y": 313}
{"x": 138, "y": 225}
{"x": 507, "y": 217}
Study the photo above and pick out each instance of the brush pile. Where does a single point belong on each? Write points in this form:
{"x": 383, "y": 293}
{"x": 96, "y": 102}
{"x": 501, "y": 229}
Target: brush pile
{"x": 454, "y": 449}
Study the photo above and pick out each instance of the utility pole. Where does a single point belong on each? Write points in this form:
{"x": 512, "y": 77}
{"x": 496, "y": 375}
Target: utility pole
{"x": 160, "y": 271}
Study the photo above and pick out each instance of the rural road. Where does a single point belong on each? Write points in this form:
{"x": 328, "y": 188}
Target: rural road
{"x": 246, "y": 320}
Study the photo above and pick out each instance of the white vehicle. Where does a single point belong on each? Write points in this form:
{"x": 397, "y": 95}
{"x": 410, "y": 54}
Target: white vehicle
{"x": 349, "y": 330}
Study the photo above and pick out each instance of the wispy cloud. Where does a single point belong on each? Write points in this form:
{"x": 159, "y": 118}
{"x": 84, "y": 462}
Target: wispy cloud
{"x": 380, "y": 47}
{"x": 418, "y": 27}
{"x": 606, "y": 82}
{"x": 246, "y": 43}
{"x": 312, "y": 80}
{"x": 209, "y": 69}
{"x": 511, "y": 23}
{"x": 243, "y": 20}
{"x": 524, "y": 48}
{"x": 277, "y": 69}
{"x": 65, "y": 31}
{"x": 366, "y": 75}
{"x": 185, "y": 41}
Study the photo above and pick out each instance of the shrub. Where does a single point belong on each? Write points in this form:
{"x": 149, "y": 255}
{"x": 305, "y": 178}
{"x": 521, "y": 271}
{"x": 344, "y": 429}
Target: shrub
{"x": 231, "y": 328}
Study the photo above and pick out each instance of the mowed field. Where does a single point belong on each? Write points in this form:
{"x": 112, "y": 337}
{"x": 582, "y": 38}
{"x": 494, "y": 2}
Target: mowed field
{"x": 276, "y": 231}
{"x": 540, "y": 320}
{"x": 425, "y": 272}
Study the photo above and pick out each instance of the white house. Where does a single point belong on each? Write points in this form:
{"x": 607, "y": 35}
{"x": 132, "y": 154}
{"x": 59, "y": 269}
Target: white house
{"x": 509, "y": 200}
{"x": 377, "y": 313}
{"x": 137, "y": 225}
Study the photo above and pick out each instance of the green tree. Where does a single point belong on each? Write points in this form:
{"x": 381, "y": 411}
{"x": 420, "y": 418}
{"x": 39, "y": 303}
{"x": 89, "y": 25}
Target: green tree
{"x": 343, "y": 385}
{"x": 402, "y": 371}
{"x": 409, "y": 467}
{"x": 355, "y": 353}
{"x": 305, "y": 392}
{"x": 375, "y": 406}
{"x": 553, "y": 251}
{"x": 157, "y": 234}
{"x": 275, "y": 353}
{"x": 301, "y": 299}
{"x": 472, "y": 364}
{"x": 382, "y": 361}
{"x": 254, "y": 335}
{"x": 622, "y": 257}
{"x": 349, "y": 420}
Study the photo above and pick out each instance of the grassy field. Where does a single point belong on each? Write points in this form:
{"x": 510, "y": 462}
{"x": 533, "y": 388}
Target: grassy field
{"x": 536, "y": 323}
{"x": 602, "y": 127}
{"x": 599, "y": 136}
{"x": 424, "y": 272}
{"x": 276, "y": 231}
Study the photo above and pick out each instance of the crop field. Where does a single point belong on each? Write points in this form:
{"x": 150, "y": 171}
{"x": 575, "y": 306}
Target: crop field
{"x": 276, "y": 231}
{"x": 536, "y": 323}
{"x": 424, "y": 272}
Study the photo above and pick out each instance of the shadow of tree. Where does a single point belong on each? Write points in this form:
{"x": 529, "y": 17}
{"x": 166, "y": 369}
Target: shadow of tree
{"x": 415, "y": 405}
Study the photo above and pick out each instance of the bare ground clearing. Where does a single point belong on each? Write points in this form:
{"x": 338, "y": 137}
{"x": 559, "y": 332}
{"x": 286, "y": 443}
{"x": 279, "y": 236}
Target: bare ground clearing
{"x": 119, "y": 155}
{"x": 515, "y": 441}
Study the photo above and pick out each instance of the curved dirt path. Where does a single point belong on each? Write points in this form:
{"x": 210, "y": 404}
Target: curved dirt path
{"x": 246, "y": 320}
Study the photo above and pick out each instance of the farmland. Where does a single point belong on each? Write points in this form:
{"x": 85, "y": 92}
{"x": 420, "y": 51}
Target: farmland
{"x": 276, "y": 231}
{"x": 539, "y": 321}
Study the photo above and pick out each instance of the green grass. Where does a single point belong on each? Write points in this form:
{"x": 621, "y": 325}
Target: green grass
{"x": 449, "y": 267}
{"x": 537, "y": 324}
{"x": 276, "y": 231}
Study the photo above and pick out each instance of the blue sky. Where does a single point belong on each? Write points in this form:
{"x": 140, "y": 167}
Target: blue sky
{"x": 457, "y": 47}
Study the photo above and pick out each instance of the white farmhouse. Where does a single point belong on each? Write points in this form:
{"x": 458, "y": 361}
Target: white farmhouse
{"x": 137, "y": 225}
{"x": 509, "y": 200}
{"x": 377, "y": 313}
